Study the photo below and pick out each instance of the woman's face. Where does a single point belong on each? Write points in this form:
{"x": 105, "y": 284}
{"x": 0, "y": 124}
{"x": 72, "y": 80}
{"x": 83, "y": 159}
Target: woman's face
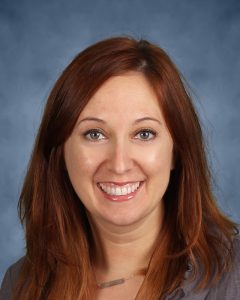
{"x": 120, "y": 141}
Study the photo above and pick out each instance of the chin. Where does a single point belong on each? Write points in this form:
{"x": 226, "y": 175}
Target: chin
{"x": 124, "y": 220}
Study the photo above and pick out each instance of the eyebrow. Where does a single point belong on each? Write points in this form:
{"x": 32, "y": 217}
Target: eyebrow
{"x": 135, "y": 122}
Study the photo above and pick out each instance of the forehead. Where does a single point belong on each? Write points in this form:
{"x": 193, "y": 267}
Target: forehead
{"x": 129, "y": 93}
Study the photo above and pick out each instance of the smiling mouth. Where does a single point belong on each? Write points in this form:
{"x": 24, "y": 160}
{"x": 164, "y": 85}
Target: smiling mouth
{"x": 120, "y": 193}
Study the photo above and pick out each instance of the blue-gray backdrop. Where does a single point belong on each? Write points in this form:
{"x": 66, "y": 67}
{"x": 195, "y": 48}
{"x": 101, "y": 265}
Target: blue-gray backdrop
{"x": 39, "y": 38}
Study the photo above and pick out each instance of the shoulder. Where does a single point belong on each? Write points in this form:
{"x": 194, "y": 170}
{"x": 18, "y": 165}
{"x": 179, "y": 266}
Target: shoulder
{"x": 10, "y": 278}
{"x": 228, "y": 286}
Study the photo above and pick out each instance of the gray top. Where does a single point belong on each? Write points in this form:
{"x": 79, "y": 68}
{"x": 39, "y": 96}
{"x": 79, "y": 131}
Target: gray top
{"x": 228, "y": 288}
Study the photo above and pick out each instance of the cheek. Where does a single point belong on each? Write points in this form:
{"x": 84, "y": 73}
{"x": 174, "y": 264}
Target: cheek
{"x": 80, "y": 162}
{"x": 83, "y": 162}
{"x": 81, "y": 166}
{"x": 157, "y": 159}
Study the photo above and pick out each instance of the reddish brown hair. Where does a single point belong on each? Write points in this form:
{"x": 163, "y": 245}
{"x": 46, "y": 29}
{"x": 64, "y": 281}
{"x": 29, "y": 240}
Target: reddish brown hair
{"x": 58, "y": 236}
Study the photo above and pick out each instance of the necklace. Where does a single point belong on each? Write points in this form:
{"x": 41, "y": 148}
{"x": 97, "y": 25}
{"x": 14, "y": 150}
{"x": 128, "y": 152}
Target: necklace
{"x": 122, "y": 280}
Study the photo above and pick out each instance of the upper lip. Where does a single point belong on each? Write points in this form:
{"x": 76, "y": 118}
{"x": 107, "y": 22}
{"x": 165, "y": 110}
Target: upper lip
{"x": 120, "y": 183}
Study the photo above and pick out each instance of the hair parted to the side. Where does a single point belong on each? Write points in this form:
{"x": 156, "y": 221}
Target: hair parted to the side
{"x": 58, "y": 235}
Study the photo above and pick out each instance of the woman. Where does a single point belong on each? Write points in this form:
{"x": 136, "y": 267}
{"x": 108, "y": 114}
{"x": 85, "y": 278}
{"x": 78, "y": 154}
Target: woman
{"x": 117, "y": 200}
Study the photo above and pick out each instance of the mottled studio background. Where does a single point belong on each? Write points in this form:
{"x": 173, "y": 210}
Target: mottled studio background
{"x": 39, "y": 38}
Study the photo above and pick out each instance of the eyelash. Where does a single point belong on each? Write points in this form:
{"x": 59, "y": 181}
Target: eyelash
{"x": 98, "y": 131}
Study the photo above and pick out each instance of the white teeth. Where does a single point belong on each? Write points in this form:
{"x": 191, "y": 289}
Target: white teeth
{"x": 124, "y": 191}
{"x": 108, "y": 190}
{"x": 119, "y": 190}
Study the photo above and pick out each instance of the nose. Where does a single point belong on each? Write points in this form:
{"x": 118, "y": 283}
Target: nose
{"x": 120, "y": 158}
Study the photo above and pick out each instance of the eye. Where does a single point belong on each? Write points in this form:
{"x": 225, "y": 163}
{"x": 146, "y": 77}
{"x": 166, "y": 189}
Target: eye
{"x": 147, "y": 134}
{"x": 93, "y": 135}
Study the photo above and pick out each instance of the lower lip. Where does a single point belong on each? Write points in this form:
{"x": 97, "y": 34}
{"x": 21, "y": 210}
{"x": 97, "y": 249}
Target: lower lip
{"x": 121, "y": 198}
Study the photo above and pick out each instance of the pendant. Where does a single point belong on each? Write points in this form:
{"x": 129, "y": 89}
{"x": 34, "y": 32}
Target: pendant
{"x": 122, "y": 280}
{"x": 107, "y": 284}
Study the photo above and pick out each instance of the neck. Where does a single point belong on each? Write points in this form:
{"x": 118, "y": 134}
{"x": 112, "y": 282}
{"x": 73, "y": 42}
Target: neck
{"x": 123, "y": 250}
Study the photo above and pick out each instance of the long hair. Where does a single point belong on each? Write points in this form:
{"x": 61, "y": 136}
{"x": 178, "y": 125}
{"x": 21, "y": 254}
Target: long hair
{"x": 58, "y": 236}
